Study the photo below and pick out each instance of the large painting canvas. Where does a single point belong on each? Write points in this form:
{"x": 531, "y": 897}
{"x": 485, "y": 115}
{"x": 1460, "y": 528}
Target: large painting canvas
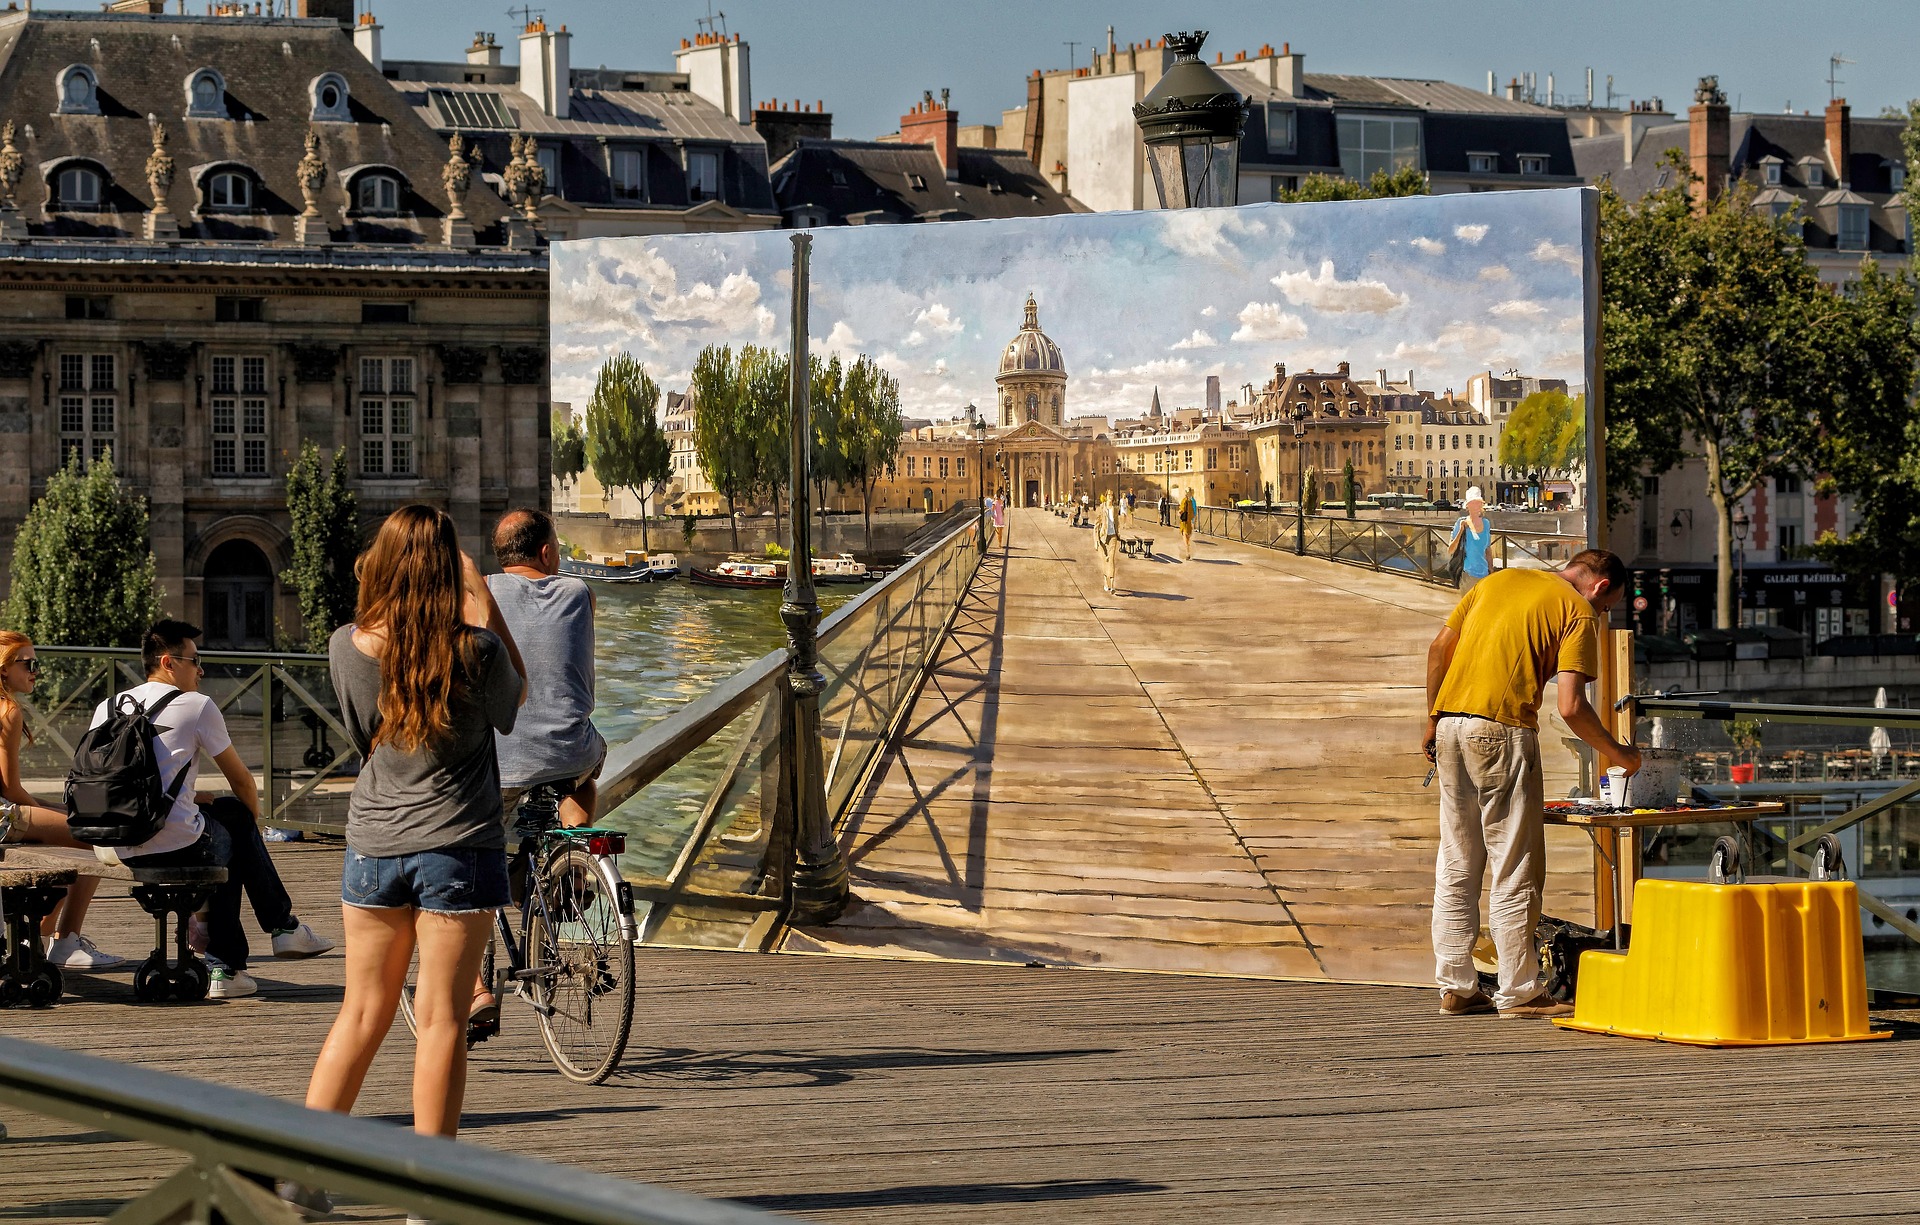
{"x": 1217, "y": 768}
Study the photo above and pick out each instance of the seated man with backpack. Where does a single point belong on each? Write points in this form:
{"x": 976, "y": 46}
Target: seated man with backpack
{"x": 110, "y": 809}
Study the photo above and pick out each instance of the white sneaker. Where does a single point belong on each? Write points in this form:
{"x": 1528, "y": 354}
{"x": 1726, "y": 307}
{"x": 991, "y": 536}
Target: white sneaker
{"x": 231, "y": 984}
{"x": 75, "y": 952}
{"x": 300, "y": 942}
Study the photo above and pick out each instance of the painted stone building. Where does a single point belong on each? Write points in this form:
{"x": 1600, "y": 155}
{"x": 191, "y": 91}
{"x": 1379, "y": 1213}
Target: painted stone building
{"x": 1339, "y": 423}
{"x": 223, "y": 236}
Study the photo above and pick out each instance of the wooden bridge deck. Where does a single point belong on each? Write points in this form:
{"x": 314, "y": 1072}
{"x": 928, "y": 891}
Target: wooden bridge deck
{"x": 852, "y": 1090}
{"x": 1217, "y": 771}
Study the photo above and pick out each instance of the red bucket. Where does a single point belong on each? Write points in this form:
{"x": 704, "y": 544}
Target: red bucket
{"x": 1742, "y": 773}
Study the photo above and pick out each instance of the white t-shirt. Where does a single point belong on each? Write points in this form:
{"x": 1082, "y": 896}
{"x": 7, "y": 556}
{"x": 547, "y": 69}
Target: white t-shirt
{"x": 189, "y": 726}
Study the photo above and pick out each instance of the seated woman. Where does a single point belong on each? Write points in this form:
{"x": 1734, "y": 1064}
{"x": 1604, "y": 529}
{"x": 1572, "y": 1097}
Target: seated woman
{"x": 33, "y": 821}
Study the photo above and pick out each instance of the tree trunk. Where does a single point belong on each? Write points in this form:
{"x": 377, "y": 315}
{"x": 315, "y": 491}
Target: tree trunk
{"x": 1723, "y": 539}
{"x": 644, "y": 546}
{"x": 866, "y": 511}
{"x": 778, "y": 534}
{"x": 733, "y": 522}
{"x": 820, "y": 496}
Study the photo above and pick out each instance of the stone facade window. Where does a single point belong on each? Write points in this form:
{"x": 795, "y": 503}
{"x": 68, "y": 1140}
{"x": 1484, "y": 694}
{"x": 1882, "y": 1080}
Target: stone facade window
{"x": 230, "y": 191}
{"x": 78, "y": 187}
{"x": 328, "y": 93}
{"x": 239, "y": 416}
{"x": 206, "y": 95}
{"x": 377, "y": 194}
{"x": 387, "y": 413}
{"x": 89, "y": 404}
{"x": 79, "y": 91}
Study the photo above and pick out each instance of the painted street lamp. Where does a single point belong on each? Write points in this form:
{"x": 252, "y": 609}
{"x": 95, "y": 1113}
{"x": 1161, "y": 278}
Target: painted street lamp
{"x": 1299, "y": 416}
{"x": 1740, "y": 525}
{"x": 978, "y": 425}
{"x": 1191, "y": 122}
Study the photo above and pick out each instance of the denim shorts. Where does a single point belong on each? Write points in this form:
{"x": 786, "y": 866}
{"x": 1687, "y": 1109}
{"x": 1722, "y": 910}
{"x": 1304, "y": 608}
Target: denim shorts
{"x": 459, "y": 880}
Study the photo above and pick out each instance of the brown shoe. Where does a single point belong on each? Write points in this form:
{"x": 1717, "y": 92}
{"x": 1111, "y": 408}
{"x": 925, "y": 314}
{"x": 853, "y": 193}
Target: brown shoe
{"x": 1455, "y": 1004}
{"x": 1542, "y": 1005}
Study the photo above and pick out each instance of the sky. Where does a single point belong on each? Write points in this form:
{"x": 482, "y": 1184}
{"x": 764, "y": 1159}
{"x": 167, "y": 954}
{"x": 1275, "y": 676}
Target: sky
{"x": 1442, "y": 285}
{"x": 1768, "y": 53}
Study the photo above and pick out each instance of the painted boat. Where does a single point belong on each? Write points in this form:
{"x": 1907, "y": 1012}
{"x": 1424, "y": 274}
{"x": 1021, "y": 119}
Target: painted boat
{"x": 738, "y": 571}
{"x": 841, "y": 568}
{"x": 633, "y": 566}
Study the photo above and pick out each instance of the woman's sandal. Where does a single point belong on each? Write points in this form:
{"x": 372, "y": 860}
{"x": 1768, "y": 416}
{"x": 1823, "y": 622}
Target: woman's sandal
{"x": 483, "y": 1022}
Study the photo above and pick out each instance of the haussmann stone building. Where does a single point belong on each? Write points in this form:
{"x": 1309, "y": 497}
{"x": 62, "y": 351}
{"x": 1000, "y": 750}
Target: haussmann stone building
{"x": 221, "y": 236}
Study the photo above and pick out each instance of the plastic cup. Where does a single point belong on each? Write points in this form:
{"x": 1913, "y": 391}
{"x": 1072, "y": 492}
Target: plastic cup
{"x": 1617, "y": 784}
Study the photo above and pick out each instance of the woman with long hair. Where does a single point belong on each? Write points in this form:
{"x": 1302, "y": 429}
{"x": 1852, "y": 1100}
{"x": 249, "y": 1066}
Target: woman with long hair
{"x": 426, "y": 675}
{"x": 32, "y": 821}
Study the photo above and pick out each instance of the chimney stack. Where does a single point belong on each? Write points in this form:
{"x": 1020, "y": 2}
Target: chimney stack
{"x": 1840, "y": 141}
{"x": 933, "y": 123}
{"x": 1708, "y": 140}
{"x": 484, "y": 52}
{"x": 718, "y": 69}
{"x": 366, "y": 40}
{"x": 784, "y": 129}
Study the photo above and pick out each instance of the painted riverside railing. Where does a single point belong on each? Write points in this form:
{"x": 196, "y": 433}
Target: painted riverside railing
{"x": 1417, "y": 550}
{"x": 702, "y": 794}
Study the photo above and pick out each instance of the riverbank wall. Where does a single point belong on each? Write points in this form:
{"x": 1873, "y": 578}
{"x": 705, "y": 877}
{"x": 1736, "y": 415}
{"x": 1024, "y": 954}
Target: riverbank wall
{"x": 712, "y": 539}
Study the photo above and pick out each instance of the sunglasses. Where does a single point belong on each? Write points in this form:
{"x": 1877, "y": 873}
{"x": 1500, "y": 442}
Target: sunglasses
{"x": 194, "y": 660}
{"x": 31, "y": 664}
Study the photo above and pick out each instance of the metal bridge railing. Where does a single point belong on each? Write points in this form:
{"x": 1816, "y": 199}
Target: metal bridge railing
{"x": 702, "y": 793}
{"x": 1417, "y": 550}
{"x": 1850, "y": 771}
{"x": 228, "y": 1134}
{"x": 280, "y": 711}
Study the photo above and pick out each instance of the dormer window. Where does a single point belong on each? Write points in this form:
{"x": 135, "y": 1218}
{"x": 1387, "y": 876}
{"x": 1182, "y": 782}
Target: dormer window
{"x": 1772, "y": 173}
{"x": 377, "y": 194}
{"x": 206, "y": 95}
{"x": 703, "y": 175}
{"x": 1483, "y": 163}
{"x": 1816, "y": 175}
{"x": 917, "y": 181}
{"x": 1853, "y": 227}
{"x": 1533, "y": 163}
{"x": 328, "y": 93}
{"x": 1898, "y": 175}
{"x": 78, "y": 187}
{"x": 79, "y": 91}
{"x": 229, "y": 191}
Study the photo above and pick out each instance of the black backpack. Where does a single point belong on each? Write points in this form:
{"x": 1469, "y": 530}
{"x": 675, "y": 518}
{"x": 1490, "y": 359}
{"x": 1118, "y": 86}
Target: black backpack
{"x": 115, "y": 796}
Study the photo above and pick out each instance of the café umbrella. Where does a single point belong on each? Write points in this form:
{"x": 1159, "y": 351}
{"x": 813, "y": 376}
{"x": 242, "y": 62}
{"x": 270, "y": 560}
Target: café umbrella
{"x": 1879, "y": 741}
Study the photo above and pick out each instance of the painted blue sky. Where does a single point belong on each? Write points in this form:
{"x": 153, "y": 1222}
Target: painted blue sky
{"x": 1442, "y": 285}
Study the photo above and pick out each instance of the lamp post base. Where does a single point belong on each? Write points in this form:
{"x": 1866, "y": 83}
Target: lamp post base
{"x": 820, "y": 892}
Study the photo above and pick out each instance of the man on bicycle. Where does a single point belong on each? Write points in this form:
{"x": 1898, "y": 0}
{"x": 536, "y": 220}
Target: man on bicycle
{"x": 553, "y": 741}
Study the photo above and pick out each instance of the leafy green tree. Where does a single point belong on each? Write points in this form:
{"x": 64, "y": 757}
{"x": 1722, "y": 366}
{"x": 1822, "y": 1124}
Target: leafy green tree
{"x": 1348, "y": 487}
{"x": 1546, "y": 432}
{"x": 765, "y": 406}
{"x": 1721, "y": 342}
{"x": 1310, "y": 491}
{"x": 83, "y": 566}
{"x": 723, "y": 438}
{"x": 326, "y": 543}
{"x": 1406, "y": 181}
{"x": 624, "y": 442}
{"x": 569, "y": 448}
{"x": 870, "y": 430}
{"x": 826, "y": 460}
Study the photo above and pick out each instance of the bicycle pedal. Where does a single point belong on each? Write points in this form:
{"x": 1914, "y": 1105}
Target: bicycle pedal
{"x": 480, "y": 1031}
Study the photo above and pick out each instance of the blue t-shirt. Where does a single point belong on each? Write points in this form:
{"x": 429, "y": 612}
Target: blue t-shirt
{"x": 1475, "y": 546}
{"x": 552, "y": 623}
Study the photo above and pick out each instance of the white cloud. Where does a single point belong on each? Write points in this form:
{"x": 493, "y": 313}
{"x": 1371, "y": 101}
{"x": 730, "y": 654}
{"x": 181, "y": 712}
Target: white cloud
{"x": 1470, "y": 233}
{"x": 631, "y": 283}
{"x": 1205, "y": 233}
{"x": 938, "y": 369}
{"x": 1517, "y": 308}
{"x": 1327, "y": 292}
{"x": 1265, "y": 321}
{"x": 1547, "y": 251}
{"x": 1496, "y": 272}
{"x": 914, "y": 339}
{"x": 1199, "y": 340}
{"x": 1428, "y": 245}
{"x": 939, "y": 320}
{"x": 842, "y": 337}
{"x": 566, "y": 354}
{"x": 1208, "y": 312}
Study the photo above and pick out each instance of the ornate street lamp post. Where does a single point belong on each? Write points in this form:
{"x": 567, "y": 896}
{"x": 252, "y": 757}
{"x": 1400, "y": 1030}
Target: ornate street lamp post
{"x": 979, "y": 426}
{"x": 1191, "y": 122}
{"x": 1299, "y": 482}
{"x": 820, "y": 872}
{"x": 1740, "y": 524}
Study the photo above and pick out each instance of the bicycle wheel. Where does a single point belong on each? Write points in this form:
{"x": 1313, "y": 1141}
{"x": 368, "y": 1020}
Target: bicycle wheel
{"x": 406, "y": 991}
{"x": 580, "y": 965}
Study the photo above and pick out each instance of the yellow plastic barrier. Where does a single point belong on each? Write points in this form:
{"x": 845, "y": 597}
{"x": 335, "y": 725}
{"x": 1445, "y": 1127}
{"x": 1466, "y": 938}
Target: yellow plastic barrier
{"x": 1758, "y": 964}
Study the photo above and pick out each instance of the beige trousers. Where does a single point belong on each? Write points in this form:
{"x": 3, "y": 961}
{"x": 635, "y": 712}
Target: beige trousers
{"x": 1490, "y": 817}
{"x": 1110, "y": 562}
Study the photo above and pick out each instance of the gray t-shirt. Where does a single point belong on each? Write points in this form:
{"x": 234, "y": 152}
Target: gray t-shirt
{"x": 551, "y": 620}
{"x": 439, "y": 796}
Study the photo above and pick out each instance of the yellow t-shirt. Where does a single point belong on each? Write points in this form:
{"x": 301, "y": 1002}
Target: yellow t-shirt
{"x": 1517, "y": 629}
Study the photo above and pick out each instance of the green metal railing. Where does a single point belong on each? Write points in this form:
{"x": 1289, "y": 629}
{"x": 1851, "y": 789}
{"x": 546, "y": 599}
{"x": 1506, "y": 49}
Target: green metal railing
{"x": 1897, "y": 802}
{"x": 228, "y": 1134}
{"x": 701, "y": 793}
{"x": 280, "y": 712}
{"x": 1417, "y": 550}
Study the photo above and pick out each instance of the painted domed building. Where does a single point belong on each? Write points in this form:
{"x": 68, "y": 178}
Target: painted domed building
{"x": 1033, "y": 376}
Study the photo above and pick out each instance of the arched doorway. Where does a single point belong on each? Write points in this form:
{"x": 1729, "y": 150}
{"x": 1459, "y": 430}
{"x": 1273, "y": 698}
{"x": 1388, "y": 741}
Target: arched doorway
{"x": 238, "y": 586}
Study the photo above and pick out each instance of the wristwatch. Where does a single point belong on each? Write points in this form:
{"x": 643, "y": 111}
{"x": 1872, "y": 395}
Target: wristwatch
{"x": 9, "y": 813}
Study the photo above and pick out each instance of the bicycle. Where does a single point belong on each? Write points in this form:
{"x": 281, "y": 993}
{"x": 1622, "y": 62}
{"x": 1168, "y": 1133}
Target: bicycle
{"x": 573, "y": 959}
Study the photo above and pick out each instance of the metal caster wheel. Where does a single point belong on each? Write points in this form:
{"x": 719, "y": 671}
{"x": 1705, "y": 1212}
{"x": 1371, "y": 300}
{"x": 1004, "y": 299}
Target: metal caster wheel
{"x": 1828, "y": 862}
{"x": 151, "y": 981}
{"x": 191, "y": 980}
{"x": 44, "y": 989}
{"x": 1723, "y": 865}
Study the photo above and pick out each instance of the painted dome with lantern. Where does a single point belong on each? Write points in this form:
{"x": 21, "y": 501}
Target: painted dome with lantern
{"x": 1032, "y": 350}
{"x": 1033, "y": 376}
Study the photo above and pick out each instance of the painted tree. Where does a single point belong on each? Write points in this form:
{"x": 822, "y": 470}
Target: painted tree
{"x": 83, "y": 566}
{"x": 723, "y": 440}
{"x": 1349, "y": 487}
{"x": 1547, "y": 433}
{"x": 870, "y": 430}
{"x": 1721, "y": 344}
{"x": 1310, "y": 491}
{"x": 325, "y": 519}
{"x": 618, "y": 415}
{"x": 826, "y": 459}
{"x": 764, "y": 399}
{"x": 569, "y": 448}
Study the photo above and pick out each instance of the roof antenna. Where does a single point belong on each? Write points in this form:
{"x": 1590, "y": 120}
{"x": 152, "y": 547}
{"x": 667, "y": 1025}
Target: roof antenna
{"x": 1072, "y": 48}
{"x": 1833, "y": 74}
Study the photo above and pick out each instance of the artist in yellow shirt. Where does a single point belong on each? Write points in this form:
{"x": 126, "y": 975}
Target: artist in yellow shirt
{"x": 1486, "y": 673}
